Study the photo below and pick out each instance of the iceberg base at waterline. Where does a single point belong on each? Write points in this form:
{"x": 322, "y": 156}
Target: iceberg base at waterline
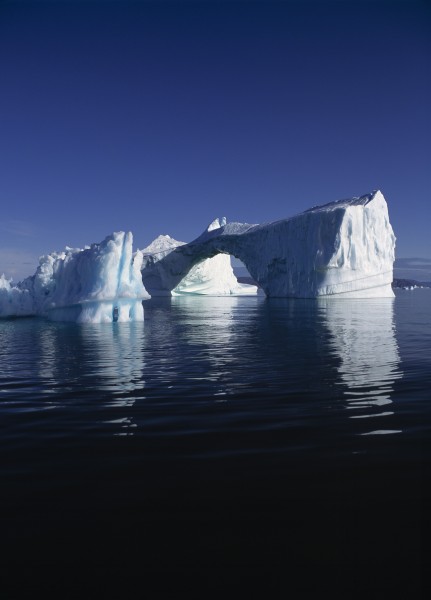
{"x": 101, "y": 283}
{"x": 119, "y": 309}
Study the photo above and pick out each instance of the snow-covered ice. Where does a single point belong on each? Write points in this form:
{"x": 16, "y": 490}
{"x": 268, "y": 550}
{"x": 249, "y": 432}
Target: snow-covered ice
{"x": 345, "y": 248}
{"x": 101, "y": 283}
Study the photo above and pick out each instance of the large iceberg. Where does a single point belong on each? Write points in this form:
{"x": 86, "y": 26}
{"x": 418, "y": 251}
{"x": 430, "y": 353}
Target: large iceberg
{"x": 100, "y": 283}
{"x": 210, "y": 277}
{"x": 345, "y": 248}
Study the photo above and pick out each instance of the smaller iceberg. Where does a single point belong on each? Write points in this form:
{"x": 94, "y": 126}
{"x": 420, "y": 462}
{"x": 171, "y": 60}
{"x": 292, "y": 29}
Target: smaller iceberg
{"x": 101, "y": 283}
{"x": 209, "y": 277}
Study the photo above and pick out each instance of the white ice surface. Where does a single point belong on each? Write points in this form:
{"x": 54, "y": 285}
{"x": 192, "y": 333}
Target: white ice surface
{"x": 82, "y": 285}
{"x": 345, "y": 248}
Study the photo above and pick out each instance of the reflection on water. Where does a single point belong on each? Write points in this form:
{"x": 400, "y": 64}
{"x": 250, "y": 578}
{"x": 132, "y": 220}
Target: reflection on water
{"x": 363, "y": 338}
{"x": 278, "y": 465}
{"x": 201, "y": 363}
{"x": 47, "y": 362}
{"x": 117, "y": 362}
{"x": 99, "y": 362}
{"x": 116, "y": 357}
{"x": 216, "y": 330}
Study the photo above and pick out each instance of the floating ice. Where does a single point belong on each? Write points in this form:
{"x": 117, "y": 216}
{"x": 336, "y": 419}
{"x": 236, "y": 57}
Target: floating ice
{"x": 344, "y": 248}
{"x": 101, "y": 283}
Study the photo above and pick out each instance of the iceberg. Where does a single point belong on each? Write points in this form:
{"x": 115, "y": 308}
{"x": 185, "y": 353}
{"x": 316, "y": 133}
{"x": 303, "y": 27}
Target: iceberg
{"x": 210, "y": 277}
{"x": 98, "y": 284}
{"x": 345, "y": 248}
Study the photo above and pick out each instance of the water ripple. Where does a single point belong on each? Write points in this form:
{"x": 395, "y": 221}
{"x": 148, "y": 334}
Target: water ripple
{"x": 321, "y": 369}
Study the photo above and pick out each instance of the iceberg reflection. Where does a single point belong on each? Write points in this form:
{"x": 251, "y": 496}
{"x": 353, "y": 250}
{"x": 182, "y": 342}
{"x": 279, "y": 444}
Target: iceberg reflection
{"x": 47, "y": 362}
{"x": 117, "y": 361}
{"x": 363, "y": 339}
{"x": 91, "y": 367}
{"x": 217, "y": 328}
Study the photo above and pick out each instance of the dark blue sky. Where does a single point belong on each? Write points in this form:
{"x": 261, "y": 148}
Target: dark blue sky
{"x": 157, "y": 117}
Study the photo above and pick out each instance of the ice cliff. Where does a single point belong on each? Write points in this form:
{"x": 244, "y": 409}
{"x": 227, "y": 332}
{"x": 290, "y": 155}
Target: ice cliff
{"x": 101, "y": 283}
{"x": 345, "y": 248}
{"x": 210, "y": 277}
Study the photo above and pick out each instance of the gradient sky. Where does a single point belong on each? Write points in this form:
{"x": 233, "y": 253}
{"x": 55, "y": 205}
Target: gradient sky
{"x": 157, "y": 117}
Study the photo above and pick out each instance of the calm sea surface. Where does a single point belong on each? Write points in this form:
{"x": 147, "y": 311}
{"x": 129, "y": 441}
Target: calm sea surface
{"x": 224, "y": 439}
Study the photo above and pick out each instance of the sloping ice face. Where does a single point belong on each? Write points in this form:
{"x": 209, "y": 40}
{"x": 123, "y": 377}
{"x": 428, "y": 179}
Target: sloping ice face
{"x": 101, "y": 283}
{"x": 346, "y": 248}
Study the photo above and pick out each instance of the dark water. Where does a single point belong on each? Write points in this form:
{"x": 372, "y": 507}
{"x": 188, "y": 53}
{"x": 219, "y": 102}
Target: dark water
{"x": 225, "y": 443}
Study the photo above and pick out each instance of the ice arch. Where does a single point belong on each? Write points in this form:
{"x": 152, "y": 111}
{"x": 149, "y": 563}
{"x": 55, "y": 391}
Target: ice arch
{"x": 344, "y": 248}
{"x": 210, "y": 277}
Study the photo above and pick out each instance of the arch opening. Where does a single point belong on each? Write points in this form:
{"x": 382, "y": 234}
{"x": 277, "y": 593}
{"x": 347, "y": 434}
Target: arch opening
{"x": 241, "y": 272}
{"x": 215, "y": 276}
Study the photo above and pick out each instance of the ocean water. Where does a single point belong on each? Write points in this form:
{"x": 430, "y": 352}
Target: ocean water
{"x": 223, "y": 443}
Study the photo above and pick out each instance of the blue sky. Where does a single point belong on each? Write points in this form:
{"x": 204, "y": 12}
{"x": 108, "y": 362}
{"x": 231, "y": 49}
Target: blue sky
{"x": 157, "y": 117}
